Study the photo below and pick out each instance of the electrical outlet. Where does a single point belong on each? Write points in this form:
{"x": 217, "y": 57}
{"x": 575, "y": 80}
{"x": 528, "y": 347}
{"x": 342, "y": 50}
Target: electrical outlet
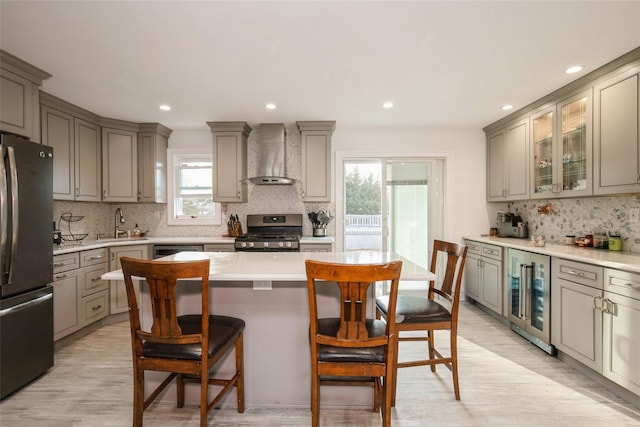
{"x": 262, "y": 285}
{"x": 634, "y": 214}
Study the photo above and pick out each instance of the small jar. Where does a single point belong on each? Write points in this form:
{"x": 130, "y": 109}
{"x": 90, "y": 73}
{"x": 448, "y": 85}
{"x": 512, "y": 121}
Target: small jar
{"x": 569, "y": 240}
{"x": 588, "y": 240}
{"x": 615, "y": 243}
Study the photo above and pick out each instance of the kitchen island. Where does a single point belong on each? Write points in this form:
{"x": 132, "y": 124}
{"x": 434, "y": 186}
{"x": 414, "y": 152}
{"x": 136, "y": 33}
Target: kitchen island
{"x": 268, "y": 290}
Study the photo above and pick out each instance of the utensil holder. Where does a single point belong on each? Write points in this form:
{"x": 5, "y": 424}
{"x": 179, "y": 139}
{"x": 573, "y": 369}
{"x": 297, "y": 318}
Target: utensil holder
{"x": 235, "y": 230}
{"x": 319, "y": 232}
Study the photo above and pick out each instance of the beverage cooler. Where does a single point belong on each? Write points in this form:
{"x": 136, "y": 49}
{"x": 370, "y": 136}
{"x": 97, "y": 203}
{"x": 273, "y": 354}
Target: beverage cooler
{"x": 528, "y": 279}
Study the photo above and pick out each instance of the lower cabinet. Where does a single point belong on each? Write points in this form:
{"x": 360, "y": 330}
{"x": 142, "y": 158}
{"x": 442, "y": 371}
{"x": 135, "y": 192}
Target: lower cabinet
{"x": 316, "y": 247}
{"x": 484, "y": 275}
{"x": 620, "y": 332}
{"x": 118, "y": 292}
{"x": 80, "y": 297}
{"x": 576, "y": 295}
{"x": 219, "y": 247}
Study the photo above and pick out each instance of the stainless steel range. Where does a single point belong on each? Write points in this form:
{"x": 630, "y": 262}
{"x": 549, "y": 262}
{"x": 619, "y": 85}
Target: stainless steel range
{"x": 271, "y": 233}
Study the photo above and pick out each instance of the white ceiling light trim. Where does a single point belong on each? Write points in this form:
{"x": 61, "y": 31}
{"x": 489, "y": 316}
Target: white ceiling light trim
{"x": 574, "y": 69}
{"x": 270, "y": 106}
{"x": 165, "y": 107}
{"x": 387, "y": 105}
{"x": 507, "y": 107}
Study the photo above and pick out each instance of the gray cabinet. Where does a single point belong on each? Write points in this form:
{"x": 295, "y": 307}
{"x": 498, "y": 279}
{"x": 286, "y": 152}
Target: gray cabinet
{"x": 219, "y": 247}
{"x": 230, "y": 161}
{"x": 484, "y": 275}
{"x": 561, "y": 146}
{"x": 75, "y": 136}
{"x": 66, "y": 293}
{"x": 508, "y": 162}
{"x": 616, "y": 140}
{"x": 576, "y": 295}
{"x": 621, "y": 336}
{"x": 118, "y": 292}
{"x": 153, "y": 140}
{"x": 19, "y": 96}
{"x": 80, "y": 296}
{"x": 316, "y": 160}
{"x": 316, "y": 247}
{"x": 119, "y": 161}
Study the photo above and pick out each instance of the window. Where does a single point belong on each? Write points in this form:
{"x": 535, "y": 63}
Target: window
{"x": 190, "y": 190}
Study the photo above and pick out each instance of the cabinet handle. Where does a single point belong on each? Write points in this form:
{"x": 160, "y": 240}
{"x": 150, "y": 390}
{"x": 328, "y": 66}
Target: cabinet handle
{"x": 95, "y": 279}
{"x": 611, "y": 308}
{"x": 97, "y": 307}
{"x": 632, "y": 285}
{"x": 597, "y": 299}
{"x": 95, "y": 257}
{"x": 575, "y": 273}
{"x": 139, "y": 196}
{"x": 61, "y": 276}
{"x": 77, "y": 191}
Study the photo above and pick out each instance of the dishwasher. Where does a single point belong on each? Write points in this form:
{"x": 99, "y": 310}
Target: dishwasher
{"x": 160, "y": 251}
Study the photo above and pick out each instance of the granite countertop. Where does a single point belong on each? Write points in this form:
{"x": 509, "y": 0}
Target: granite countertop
{"x": 283, "y": 266}
{"x": 125, "y": 241}
{"x": 612, "y": 259}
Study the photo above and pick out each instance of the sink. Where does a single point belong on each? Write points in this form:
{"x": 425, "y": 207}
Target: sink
{"x": 121, "y": 239}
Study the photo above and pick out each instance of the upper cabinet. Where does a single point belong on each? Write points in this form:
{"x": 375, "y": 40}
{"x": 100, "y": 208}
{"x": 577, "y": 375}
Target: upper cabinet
{"x": 584, "y": 139}
{"x": 75, "y": 137}
{"x": 616, "y": 142}
{"x": 230, "y": 161}
{"x": 562, "y": 149}
{"x": 119, "y": 161}
{"x": 508, "y": 162}
{"x": 19, "y": 96}
{"x": 316, "y": 160}
{"x": 153, "y": 140}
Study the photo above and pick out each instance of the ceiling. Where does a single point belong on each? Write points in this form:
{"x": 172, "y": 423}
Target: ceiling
{"x": 442, "y": 63}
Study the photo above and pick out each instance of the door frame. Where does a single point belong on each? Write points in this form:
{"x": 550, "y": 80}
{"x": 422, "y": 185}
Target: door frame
{"x": 341, "y": 156}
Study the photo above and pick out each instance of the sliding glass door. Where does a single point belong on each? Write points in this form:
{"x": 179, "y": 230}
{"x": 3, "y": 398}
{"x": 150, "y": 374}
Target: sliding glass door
{"x": 393, "y": 205}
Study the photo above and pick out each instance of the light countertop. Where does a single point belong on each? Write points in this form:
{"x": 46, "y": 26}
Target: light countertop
{"x": 602, "y": 257}
{"x": 125, "y": 241}
{"x": 283, "y": 266}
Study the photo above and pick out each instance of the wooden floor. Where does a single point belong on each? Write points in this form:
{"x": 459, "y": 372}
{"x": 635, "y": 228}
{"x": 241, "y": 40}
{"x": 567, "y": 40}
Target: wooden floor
{"x": 504, "y": 381}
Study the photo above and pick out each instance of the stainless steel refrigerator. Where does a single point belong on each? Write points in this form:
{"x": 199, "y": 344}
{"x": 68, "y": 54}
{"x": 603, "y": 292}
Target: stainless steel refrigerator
{"x": 26, "y": 262}
{"x": 529, "y": 281}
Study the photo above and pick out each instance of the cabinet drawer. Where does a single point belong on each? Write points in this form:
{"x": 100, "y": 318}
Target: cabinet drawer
{"x": 95, "y": 307}
{"x": 219, "y": 247}
{"x": 93, "y": 257}
{"x": 492, "y": 251}
{"x": 577, "y": 272}
{"x": 92, "y": 281}
{"x": 65, "y": 262}
{"x": 622, "y": 283}
{"x": 474, "y": 247}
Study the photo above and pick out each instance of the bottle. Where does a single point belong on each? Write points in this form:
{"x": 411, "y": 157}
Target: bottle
{"x": 136, "y": 231}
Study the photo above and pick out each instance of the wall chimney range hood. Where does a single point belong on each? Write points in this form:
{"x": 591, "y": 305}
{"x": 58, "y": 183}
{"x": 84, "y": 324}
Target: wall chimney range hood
{"x": 271, "y": 158}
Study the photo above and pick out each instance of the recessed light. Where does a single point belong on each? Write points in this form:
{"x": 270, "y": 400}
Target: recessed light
{"x": 387, "y": 105}
{"x": 270, "y": 106}
{"x": 574, "y": 69}
{"x": 165, "y": 107}
{"x": 507, "y": 107}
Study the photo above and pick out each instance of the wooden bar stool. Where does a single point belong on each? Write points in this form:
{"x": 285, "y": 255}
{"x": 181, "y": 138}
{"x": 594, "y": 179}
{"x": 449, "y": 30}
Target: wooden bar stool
{"x": 438, "y": 310}
{"x": 350, "y": 349}
{"x": 188, "y": 346}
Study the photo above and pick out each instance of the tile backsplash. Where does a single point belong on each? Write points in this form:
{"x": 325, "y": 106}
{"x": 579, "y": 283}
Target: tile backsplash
{"x": 582, "y": 216}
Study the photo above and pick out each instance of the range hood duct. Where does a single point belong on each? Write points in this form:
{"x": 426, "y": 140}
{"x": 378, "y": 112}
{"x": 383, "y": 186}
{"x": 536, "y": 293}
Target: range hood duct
{"x": 271, "y": 156}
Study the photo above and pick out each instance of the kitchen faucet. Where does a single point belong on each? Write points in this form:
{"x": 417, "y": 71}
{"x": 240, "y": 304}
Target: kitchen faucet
{"x": 116, "y": 231}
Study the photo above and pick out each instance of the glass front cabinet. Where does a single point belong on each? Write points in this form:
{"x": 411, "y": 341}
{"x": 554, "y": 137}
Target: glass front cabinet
{"x": 562, "y": 149}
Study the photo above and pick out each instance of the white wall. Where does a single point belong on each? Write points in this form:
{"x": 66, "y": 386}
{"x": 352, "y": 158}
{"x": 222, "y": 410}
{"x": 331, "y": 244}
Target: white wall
{"x": 466, "y": 152}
